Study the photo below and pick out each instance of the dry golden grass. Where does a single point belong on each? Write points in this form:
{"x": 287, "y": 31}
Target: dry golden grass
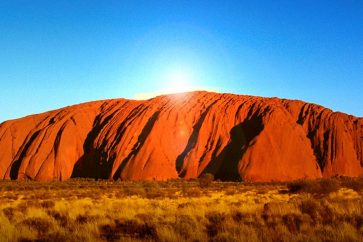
{"x": 87, "y": 210}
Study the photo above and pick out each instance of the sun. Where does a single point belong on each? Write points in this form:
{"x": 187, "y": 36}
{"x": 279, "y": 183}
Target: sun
{"x": 176, "y": 78}
{"x": 179, "y": 80}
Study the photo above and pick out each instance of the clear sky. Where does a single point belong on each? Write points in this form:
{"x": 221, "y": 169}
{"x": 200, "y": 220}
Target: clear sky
{"x": 58, "y": 53}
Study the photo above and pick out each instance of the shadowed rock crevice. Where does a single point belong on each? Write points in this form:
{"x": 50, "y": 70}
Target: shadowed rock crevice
{"x": 93, "y": 163}
{"x": 313, "y": 117}
{"x": 14, "y": 171}
{"x": 135, "y": 113}
{"x": 225, "y": 165}
{"x": 192, "y": 141}
{"x": 140, "y": 142}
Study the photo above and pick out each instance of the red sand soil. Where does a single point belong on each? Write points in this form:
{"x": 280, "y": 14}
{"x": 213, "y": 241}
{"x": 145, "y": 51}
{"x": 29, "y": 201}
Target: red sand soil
{"x": 183, "y": 135}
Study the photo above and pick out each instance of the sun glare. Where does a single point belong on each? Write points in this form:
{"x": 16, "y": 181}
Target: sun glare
{"x": 179, "y": 81}
{"x": 176, "y": 78}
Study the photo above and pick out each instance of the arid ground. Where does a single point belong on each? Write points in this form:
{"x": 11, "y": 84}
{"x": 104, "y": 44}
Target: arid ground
{"x": 177, "y": 210}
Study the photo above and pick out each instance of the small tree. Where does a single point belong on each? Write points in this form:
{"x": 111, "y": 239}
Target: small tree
{"x": 206, "y": 179}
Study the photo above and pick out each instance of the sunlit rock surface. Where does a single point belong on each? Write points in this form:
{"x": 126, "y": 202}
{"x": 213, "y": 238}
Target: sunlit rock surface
{"x": 235, "y": 137}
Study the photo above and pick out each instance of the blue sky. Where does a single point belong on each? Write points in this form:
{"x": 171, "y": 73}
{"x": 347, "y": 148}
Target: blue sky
{"x": 58, "y": 53}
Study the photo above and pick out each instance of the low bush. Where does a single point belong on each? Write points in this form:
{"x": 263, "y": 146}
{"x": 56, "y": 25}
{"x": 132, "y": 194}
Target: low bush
{"x": 215, "y": 224}
{"x": 129, "y": 228}
{"x": 185, "y": 226}
{"x": 353, "y": 183}
{"x": 205, "y": 180}
{"x": 310, "y": 207}
{"x": 47, "y": 204}
{"x": 41, "y": 225}
{"x": 318, "y": 187}
{"x": 292, "y": 222}
{"x": 8, "y": 212}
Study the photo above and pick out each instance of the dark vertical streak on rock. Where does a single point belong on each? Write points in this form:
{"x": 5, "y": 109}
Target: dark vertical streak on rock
{"x": 140, "y": 142}
{"x": 192, "y": 141}
{"x": 16, "y": 164}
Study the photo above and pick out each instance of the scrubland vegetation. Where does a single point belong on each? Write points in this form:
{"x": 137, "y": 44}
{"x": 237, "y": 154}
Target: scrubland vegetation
{"x": 87, "y": 210}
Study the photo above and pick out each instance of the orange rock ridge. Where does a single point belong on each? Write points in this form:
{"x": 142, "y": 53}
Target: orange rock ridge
{"x": 183, "y": 135}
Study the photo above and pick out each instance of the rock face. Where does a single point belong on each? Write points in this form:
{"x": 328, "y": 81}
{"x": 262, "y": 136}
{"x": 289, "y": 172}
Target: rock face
{"x": 183, "y": 135}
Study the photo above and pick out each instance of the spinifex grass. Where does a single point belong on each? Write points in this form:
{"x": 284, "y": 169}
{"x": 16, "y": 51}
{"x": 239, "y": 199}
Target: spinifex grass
{"x": 87, "y": 210}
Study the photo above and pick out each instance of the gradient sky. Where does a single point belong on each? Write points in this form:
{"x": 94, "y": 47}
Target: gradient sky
{"x": 58, "y": 53}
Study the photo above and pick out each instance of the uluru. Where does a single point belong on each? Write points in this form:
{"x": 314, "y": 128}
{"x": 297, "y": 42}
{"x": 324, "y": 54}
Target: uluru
{"x": 234, "y": 137}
